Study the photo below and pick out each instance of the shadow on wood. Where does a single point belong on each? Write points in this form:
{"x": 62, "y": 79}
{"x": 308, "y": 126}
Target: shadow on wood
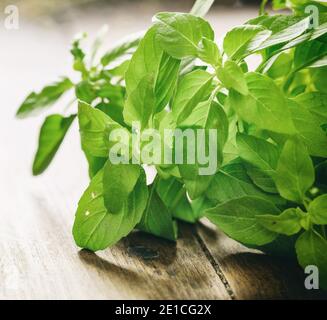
{"x": 252, "y": 274}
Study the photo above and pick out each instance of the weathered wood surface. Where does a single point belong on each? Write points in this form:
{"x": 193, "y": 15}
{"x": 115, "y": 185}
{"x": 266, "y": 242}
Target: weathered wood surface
{"x": 38, "y": 258}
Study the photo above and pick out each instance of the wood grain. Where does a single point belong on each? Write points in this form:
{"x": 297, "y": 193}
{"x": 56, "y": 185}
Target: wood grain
{"x": 250, "y": 274}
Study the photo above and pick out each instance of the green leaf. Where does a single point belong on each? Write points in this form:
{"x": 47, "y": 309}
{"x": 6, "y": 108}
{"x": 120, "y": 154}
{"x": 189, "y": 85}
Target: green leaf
{"x": 288, "y": 222}
{"x": 285, "y": 34}
{"x": 310, "y": 35}
{"x": 316, "y": 103}
{"x": 309, "y": 130}
{"x": 192, "y": 89}
{"x": 95, "y": 164}
{"x": 318, "y": 210}
{"x": 201, "y": 7}
{"x": 46, "y": 97}
{"x": 79, "y": 55}
{"x": 209, "y": 52}
{"x": 311, "y": 249}
{"x": 243, "y": 40}
{"x": 179, "y": 34}
{"x": 119, "y": 181}
{"x": 150, "y": 62}
{"x": 237, "y": 218}
{"x": 113, "y": 110}
{"x": 173, "y": 194}
{"x": 120, "y": 50}
{"x": 140, "y": 104}
{"x": 145, "y": 61}
{"x": 94, "y": 128}
{"x": 166, "y": 80}
{"x": 207, "y": 115}
{"x": 232, "y": 182}
{"x": 261, "y": 179}
{"x": 52, "y": 134}
{"x": 113, "y": 100}
{"x": 319, "y": 79}
{"x": 310, "y": 54}
{"x": 265, "y": 106}
{"x": 85, "y": 91}
{"x": 295, "y": 172}
{"x": 157, "y": 219}
{"x": 258, "y": 152}
{"x": 280, "y": 65}
{"x": 96, "y": 228}
{"x": 232, "y": 77}
{"x": 118, "y": 71}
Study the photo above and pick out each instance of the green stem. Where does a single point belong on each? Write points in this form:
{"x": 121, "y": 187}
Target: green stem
{"x": 262, "y": 9}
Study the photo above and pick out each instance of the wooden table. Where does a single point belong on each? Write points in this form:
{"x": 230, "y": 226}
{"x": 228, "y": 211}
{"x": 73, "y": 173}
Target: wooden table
{"x": 38, "y": 257}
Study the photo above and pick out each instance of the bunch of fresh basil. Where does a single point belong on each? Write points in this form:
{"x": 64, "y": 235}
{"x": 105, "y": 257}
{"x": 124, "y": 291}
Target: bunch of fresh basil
{"x": 270, "y": 188}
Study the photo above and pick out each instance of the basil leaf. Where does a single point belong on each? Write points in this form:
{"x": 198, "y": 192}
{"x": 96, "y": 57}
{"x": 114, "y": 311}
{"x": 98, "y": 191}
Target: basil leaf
{"x": 120, "y": 50}
{"x": 288, "y": 222}
{"x": 85, "y": 91}
{"x": 265, "y": 106}
{"x": 295, "y": 172}
{"x": 319, "y": 80}
{"x": 286, "y": 34}
{"x": 311, "y": 249}
{"x": 46, "y": 97}
{"x": 209, "y": 52}
{"x": 118, "y": 71}
{"x": 232, "y": 182}
{"x": 140, "y": 104}
{"x": 280, "y": 65}
{"x": 95, "y": 164}
{"x": 145, "y": 61}
{"x": 316, "y": 103}
{"x": 237, "y": 218}
{"x": 173, "y": 194}
{"x": 179, "y": 34}
{"x": 150, "y": 62}
{"x": 157, "y": 219}
{"x": 207, "y": 115}
{"x": 113, "y": 110}
{"x": 309, "y": 130}
{"x": 94, "y": 127}
{"x": 310, "y": 54}
{"x": 192, "y": 89}
{"x": 258, "y": 152}
{"x": 318, "y": 210}
{"x": 243, "y": 40}
{"x": 261, "y": 179}
{"x": 232, "y": 77}
{"x": 96, "y": 228}
{"x": 119, "y": 181}
{"x": 52, "y": 134}
{"x": 79, "y": 55}
{"x": 166, "y": 80}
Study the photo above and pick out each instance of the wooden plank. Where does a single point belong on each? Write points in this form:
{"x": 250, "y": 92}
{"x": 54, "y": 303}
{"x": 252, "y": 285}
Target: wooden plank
{"x": 56, "y": 270}
{"x": 251, "y": 274}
